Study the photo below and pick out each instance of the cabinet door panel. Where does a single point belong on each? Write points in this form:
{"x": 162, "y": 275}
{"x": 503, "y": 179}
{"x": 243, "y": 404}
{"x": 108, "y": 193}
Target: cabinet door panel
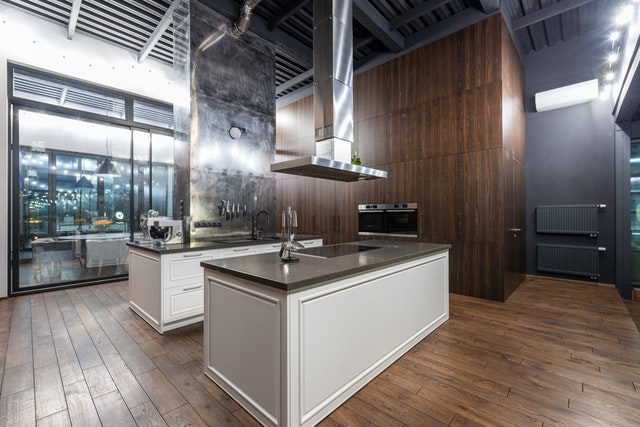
{"x": 480, "y": 196}
{"x": 437, "y": 203}
{"x": 181, "y": 302}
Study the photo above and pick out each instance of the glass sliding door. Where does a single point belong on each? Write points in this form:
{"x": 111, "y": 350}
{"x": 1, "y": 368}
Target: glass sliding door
{"x": 86, "y": 163}
{"x": 63, "y": 207}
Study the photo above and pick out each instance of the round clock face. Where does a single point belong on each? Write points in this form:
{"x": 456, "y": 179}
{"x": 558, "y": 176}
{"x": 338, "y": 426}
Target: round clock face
{"x": 235, "y": 132}
{"x": 119, "y": 215}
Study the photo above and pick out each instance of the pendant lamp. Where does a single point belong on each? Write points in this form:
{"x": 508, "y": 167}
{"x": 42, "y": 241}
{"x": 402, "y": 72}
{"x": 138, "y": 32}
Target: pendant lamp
{"x": 106, "y": 168}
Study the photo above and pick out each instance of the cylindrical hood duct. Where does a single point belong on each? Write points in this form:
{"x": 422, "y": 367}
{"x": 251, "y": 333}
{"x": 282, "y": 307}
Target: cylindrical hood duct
{"x": 241, "y": 25}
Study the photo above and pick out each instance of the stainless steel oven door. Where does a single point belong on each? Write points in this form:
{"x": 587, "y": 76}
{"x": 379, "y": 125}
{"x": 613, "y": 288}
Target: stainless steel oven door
{"x": 402, "y": 222}
{"x": 371, "y": 222}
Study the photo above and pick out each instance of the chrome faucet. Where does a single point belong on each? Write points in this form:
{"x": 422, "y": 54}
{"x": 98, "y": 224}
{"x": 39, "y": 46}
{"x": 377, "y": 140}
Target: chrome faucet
{"x": 255, "y": 231}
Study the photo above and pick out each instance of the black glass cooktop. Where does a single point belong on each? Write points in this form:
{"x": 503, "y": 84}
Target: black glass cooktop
{"x": 332, "y": 251}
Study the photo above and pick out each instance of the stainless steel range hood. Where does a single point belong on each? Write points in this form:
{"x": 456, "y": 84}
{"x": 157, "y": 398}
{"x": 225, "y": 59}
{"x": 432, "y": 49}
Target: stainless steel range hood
{"x": 332, "y": 99}
{"x": 320, "y": 167}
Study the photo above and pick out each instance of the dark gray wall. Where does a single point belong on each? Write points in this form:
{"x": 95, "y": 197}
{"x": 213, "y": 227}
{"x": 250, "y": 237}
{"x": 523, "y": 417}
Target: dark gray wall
{"x": 571, "y": 160}
{"x": 571, "y": 156}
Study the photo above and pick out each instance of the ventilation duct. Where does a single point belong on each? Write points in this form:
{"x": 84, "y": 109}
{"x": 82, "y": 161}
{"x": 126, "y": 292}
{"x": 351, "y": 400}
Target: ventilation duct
{"x": 242, "y": 24}
{"x": 332, "y": 98}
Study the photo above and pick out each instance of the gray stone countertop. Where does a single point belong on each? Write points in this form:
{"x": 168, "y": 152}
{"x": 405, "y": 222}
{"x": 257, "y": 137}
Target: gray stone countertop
{"x": 211, "y": 243}
{"x": 267, "y": 269}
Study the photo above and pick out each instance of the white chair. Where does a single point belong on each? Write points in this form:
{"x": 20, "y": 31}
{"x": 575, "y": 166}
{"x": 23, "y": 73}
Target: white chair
{"x": 48, "y": 255}
{"x": 105, "y": 252}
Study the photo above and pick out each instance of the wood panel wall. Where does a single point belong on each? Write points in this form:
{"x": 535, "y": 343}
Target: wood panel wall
{"x": 443, "y": 121}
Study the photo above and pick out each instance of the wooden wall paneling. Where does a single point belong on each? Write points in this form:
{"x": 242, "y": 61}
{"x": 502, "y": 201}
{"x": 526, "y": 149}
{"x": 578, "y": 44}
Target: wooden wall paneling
{"x": 476, "y": 269}
{"x": 480, "y": 196}
{"x": 304, "y": 204}
{"x": 404, "y": 135}
{"x": 369, "y": 88}
{"x": 437, "y": 201}
{"x": 345, "y": 211}
{"x": 403, "y": 183}
{"x": 481, "y": 111}
{"x": 371, "y": 141}
{"x": 513, "y": 109}
{"x": 325, "y": 209}
{"x": 480, "y": 52}
{"x": 441, "y": 123}
{"x": 408, "y": 86}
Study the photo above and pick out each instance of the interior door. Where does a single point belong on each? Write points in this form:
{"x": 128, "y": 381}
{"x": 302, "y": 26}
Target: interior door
{"x": 514, "y": 244}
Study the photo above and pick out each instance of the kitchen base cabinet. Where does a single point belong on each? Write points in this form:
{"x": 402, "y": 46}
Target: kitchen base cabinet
{"x": 291, "y": 358}
{"x": 166, "y": 290}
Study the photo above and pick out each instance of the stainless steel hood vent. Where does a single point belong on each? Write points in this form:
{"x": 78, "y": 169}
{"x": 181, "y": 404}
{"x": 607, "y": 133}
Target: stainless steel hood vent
{"x": 320, "y": 167}
{"x": 332, "y": 98}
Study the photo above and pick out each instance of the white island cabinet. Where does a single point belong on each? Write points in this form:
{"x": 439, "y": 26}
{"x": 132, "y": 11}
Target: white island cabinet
{"x": 165, "y": 284}
{"x": 292, "y": 342}
{"x": 166, "y": 290}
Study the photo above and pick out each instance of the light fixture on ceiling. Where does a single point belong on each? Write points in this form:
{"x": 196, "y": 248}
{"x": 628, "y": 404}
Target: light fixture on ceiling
{"x": 567, "y": 96}
{"x": 106, "y": 168}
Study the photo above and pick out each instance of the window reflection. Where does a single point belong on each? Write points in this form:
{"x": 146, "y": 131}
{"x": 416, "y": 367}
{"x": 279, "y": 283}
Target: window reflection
{"x": 60, "y": 199}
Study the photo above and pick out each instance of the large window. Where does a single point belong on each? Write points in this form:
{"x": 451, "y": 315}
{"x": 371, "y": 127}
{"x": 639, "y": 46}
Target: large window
{"x": 70, "y": 220}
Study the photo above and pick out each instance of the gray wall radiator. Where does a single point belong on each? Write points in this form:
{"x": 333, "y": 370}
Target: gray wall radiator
{"x": 568, "y": 219}
{"x": 573, "y": 260}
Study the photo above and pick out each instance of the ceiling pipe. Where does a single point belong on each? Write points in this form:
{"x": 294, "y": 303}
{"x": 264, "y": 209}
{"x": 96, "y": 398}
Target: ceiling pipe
{"x": 242, "y": 24}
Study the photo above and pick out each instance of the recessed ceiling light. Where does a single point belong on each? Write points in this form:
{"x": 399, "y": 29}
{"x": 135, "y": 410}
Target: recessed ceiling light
{"x": 614, "y": 36}
{"x": 625, "y": 15}
{"x": 609, "y": 76}
{"x": 613, "y": 58}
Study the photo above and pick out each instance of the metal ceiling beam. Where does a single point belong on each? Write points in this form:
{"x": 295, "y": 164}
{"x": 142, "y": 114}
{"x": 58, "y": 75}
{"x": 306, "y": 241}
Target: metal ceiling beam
{"x": 489, "y": 6}
{"x": 157, "y": 33}
{"x": 294, "y": 81}
{"x": 377, "y": 24}
{"x": 73, "y": 18}
{"x": 415, "y": 13}
{"x": 446, "y": 27}
{"x": 286, "y": 13}
{"x": 546, "y": 13}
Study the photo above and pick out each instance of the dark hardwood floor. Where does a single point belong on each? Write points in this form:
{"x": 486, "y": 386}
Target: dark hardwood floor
{"x": 557, "y": 353}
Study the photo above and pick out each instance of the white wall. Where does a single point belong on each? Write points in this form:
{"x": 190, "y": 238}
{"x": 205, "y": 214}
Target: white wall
{"x": 38, "y": 43}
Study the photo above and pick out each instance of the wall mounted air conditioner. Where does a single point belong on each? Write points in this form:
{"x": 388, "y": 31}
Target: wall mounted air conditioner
{"x": 566, "y": 96}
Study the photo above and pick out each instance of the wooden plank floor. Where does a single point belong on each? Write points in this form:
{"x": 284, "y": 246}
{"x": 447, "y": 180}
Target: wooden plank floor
{"x": 558, "y": 353}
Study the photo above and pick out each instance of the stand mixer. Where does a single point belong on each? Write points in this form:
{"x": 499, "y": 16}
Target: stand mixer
{"x": 162, "y": 230}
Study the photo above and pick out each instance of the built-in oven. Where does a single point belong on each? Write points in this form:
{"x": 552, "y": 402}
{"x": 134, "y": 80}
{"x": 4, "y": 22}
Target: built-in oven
{"x": 388, "y": 219}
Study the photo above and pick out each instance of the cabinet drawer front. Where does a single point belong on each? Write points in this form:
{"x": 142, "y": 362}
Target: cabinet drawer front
{"x": 183, "y": 301}
{"x": 184, "y": 267}
{"x": 272, "y": 247}
{"x": 239, "y": 251}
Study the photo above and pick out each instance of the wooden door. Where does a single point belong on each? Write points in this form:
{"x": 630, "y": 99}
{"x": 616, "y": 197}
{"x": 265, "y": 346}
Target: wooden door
{"x": 514, "y": 243}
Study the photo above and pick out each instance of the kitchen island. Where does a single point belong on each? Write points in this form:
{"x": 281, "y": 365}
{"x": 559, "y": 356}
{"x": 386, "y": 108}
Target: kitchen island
{"x": 291, "y": 342}
{"x": 165, "y": 281}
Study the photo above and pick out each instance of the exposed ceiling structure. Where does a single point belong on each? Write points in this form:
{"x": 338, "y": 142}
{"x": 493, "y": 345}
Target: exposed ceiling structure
{"x": 382, "y": 29}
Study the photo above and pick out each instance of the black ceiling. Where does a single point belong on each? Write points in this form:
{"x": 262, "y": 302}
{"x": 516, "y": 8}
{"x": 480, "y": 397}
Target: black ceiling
{"x": 382, "y": 28}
